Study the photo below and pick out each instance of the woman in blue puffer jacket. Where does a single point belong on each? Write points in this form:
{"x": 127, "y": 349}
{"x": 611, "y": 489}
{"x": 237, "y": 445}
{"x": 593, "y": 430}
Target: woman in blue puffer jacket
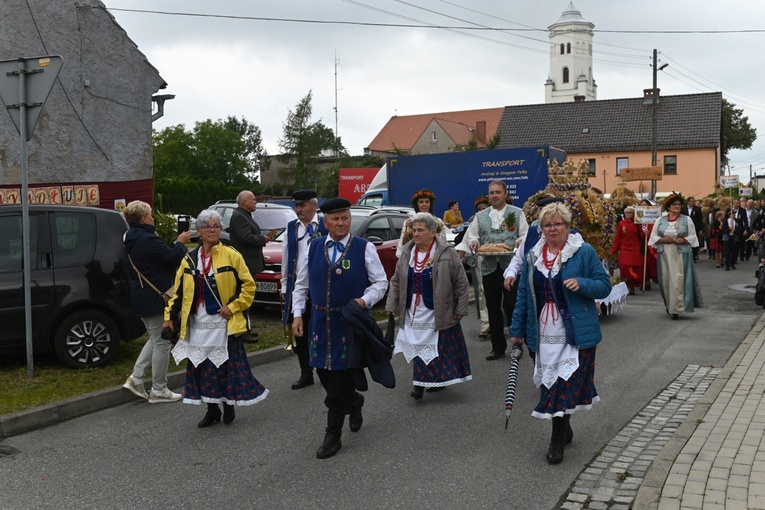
{"x": 557, "y": 315}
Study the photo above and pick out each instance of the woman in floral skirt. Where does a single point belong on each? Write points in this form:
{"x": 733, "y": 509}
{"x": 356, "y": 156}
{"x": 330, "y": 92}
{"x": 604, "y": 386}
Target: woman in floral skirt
{"x": 429, "y": 291}
{"x": 213, "y": 291}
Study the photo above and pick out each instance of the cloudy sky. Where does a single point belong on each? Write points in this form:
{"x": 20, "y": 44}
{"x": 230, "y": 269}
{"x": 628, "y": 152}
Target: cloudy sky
{"x": 257, "y": 59}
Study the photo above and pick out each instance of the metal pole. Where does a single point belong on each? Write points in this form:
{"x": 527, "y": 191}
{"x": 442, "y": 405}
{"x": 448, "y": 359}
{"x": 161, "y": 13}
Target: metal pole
{"x": 27, "y": 257}
{"x": 653, "y": 122}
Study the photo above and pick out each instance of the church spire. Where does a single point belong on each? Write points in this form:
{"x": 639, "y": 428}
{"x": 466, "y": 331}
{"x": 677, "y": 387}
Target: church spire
{"x": 570, "y": 77}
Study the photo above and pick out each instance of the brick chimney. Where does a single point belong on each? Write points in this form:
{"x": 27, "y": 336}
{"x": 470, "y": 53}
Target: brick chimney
{"x": 480, "y": 131}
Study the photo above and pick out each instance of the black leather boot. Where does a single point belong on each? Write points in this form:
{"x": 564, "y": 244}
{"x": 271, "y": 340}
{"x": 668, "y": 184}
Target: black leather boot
{"x": 417, "y": 392}
{"x": 306, "y": 372}
{"x": 568, "y": 433}
{"x": 557, "y": 441}
{"x": 355, "y": 419}
{"x": 229, "y": 413}
{"x": 211, "y": 417}
{"x": 334, "y": 430}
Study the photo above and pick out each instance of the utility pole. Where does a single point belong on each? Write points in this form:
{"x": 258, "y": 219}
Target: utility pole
{"x": 654, "y": 106}
{"x": 337, "y": 135}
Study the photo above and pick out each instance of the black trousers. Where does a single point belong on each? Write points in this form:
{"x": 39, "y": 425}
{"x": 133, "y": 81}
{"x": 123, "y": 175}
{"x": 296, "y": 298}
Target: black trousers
{"x": 749, "y": 248}
{"x": 728, "y": 253}
{"x": 738, "y": 247}
{"x": 341, "y": 392}
{"x": 500, "y": 304}
{"x": 301, "y": 342}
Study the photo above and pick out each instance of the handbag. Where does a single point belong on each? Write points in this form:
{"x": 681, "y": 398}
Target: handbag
{"x": 141, "y": 278}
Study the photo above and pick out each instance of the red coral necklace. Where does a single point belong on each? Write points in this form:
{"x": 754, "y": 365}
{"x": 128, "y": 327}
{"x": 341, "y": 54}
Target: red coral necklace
{"x": 420, "y": 265}
{"x": 549, "y": 263}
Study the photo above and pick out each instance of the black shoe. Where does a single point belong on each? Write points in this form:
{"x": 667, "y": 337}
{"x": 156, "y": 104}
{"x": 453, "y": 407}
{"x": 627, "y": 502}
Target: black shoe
{"x": 355, "y": 419}
{"x": 249, "y": 338}
{"x": 329, "y": 447}
{"x": 733, "y": 267}
{"x": 435, "y": 388}
{"x": 211, "y": 417}
{"x": 675, "y": 316}
{"x": 229, "y": 413}
{"x": 568, "y": 433}
{"x": 305, "y": 380}
{"x": 495, "y": 355}
{"x": 483, "y": 335}
{"x": 417, "y": 392}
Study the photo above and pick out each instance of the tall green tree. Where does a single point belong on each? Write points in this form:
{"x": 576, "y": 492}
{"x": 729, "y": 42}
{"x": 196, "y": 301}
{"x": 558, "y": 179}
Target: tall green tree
{"x": 302, "y": 142}
{"x": 737, "y": 132}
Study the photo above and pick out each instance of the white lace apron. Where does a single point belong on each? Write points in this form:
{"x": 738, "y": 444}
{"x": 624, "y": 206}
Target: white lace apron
{"x": 555, "y": 358}
{"x": 418, "y": 337}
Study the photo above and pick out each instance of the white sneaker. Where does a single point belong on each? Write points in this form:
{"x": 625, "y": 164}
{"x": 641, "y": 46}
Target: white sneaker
{"x": 164, "y": 396}
{"x": 135, "y": 387}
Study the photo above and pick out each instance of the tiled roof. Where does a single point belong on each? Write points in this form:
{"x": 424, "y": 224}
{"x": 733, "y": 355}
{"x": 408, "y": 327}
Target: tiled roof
{"x": 460, "y": 134}
{"x": 688, "y": 121}
{"x": 402, "y": 132}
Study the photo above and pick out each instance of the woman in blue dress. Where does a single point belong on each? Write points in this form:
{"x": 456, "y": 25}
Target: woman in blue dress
{"x": 556, "y": 314}
{"x": 429, "y": 291}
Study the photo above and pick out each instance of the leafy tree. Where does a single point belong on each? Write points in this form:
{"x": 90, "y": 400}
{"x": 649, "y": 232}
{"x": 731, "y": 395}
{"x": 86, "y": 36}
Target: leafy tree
{"x": 302, "y": 143}
{"x": 737, "y": 132}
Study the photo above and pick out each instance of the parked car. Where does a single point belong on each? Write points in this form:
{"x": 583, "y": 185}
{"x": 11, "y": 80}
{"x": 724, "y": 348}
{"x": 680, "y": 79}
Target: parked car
{"x": 80, "y": 291}
{"x": 381, "y": 226}
{"x": 267, "y": 215}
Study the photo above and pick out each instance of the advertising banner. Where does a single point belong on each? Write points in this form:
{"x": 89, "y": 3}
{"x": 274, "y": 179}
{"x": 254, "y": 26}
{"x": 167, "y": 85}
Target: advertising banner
{"x": 354, "y": 182}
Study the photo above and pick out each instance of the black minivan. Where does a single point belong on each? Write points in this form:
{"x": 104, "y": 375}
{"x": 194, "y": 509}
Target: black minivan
{"x": 80, "y": 288}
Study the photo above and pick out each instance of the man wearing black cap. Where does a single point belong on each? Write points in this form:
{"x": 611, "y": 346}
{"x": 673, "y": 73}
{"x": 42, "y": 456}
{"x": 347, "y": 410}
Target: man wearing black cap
{"x": 246, "y": 239}
{"x": 300, "y": 233}
{"x": 338, "y": 268}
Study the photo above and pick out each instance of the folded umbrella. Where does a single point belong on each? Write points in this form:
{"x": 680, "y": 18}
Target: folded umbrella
{"x": 512, "y": 379}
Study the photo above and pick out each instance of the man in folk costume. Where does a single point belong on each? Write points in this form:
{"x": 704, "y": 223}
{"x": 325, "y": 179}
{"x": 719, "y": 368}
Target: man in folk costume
{"x": 500, "y": 223}
{"x": 300, "y": 233}
{"x": 339, "y": 268}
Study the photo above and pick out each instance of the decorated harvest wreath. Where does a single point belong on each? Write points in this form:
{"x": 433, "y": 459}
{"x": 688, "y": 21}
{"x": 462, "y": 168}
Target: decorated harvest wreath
{"x": 673, "y": 196}
{"x": 482, "y": 199}
{"x": 623, "y": 197}
{"x": 423, "y": 193}
{"x": 591, "y": 214}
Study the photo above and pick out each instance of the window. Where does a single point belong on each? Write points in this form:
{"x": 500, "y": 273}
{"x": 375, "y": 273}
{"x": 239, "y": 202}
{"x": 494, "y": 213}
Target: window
{"x": 74, "y": 236}
{"x": 562, "y": 49}
{"x": 378, "y": 227}
{"x": 568, "y": 47}
{"x": 621, "y": 163}
{"x": 591, "y": 167}
{"x": 11, "y": 247}
{"x": 670, "y": 164}
{"x": 565, "y": 75}
{"x": 398, "y": 224}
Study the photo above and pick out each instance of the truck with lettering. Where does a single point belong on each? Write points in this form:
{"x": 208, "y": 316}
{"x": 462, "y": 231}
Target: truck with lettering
{"x": 464, "y": 176}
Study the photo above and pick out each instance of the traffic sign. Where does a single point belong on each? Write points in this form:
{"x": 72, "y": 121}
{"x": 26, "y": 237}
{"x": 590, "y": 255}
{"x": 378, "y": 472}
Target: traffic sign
{"x": 24, "y": 85}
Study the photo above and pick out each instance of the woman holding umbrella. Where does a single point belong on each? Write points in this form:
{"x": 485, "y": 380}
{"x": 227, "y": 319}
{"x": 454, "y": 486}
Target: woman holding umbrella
{"x": 429, "y": 290}
{"x": 562, "y": 277}
{"x": 674, "y": 237}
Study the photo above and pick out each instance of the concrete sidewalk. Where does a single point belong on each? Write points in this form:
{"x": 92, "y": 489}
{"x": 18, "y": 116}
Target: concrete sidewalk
{"x": 716, "y": 459}
{"x": 42, "y": 416}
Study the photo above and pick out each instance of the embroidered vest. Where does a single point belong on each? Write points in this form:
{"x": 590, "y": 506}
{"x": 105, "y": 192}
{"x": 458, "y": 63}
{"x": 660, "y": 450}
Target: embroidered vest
{"x": 332, "y": 286}
{"x": 290, "y": 266}
{"x": 682, "y": 231}
{"x": 487, "y": 234}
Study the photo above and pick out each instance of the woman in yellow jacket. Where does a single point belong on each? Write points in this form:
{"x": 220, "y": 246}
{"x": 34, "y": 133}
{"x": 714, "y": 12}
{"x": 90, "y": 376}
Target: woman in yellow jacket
{"x": 213, "y": 291}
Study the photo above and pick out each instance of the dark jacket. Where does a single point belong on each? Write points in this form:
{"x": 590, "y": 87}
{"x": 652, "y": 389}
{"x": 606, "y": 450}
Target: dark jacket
{"x": 157, "y": 261}
{"x": 247, "y": 240}
{"x": 366, "y": 347}
{"x": 697, "y": 217}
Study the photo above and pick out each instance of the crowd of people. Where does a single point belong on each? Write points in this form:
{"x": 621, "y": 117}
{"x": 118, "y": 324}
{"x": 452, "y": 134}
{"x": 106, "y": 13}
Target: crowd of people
{"x": 543, "y": 290}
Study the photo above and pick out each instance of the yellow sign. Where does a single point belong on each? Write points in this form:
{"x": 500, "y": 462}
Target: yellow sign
{"x": 647, "y": 173}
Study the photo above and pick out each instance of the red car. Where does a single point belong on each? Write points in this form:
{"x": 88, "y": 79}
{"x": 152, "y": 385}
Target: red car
{"x": 381, "y": 226}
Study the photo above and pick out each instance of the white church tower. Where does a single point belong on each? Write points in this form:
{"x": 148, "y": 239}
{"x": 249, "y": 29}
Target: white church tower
{"x": 570, "y": 77}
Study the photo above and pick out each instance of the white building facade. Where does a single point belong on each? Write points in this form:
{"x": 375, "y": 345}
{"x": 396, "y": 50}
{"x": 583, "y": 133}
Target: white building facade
{"x": 570, "y": 77}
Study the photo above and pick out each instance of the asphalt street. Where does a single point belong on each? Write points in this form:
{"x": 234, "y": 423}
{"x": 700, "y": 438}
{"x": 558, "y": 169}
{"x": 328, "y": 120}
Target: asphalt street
{"x": 448, "y": 451}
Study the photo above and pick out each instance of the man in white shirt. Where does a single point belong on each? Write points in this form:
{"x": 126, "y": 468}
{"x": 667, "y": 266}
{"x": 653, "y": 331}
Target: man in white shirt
{"x": 500, "y": 223}
{"x": 299, "y": 234}
{"x": 339, "y": 267}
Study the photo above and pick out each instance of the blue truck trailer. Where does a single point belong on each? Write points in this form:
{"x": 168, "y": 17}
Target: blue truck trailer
{"x": 463, "y": 176}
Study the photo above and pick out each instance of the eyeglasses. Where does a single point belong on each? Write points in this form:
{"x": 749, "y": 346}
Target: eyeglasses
{"x": 675, "y": 203}
{"x": 210, "y": 227}
{"x": 556, "y": 225}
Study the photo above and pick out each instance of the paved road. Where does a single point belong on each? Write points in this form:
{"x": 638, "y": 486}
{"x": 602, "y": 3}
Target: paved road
{"x": 447, "y": 451}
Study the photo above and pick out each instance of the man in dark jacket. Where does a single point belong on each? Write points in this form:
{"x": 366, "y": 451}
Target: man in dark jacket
{"x": 152, "y": 264}
{"x": 246, "y": 239}
{"x": 697, "y": 217}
